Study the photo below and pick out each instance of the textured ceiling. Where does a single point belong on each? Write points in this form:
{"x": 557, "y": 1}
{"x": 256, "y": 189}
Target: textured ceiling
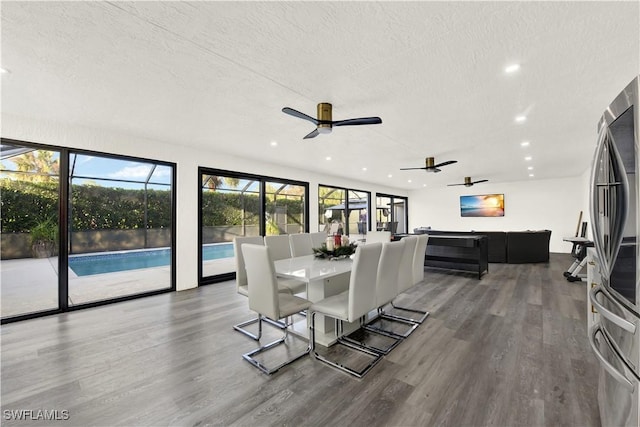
{"x": 217, "y": 74}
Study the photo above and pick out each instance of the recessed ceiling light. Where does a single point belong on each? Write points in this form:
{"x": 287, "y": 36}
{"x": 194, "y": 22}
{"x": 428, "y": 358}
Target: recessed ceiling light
{"x": 274, "y": 144}
{"x": 327, "y": 158}
{"x": 528, "y": 158}
{"x": 531, "y": 175}
{"x": 521, "y": 119}
{"x": 424, "y": 185}
{"x": 512, "y": 68}
{"x": 408, "y": 180}
{"x": 530, "y": 168}
{"x": 3, "y": 71}
{"x": 364, "y": 169}
{"x": 389, "y": 176}
{"x": 524, "y": 144}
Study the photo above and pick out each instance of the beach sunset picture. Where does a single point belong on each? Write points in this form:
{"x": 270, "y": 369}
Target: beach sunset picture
{"x": 482, "y": 205}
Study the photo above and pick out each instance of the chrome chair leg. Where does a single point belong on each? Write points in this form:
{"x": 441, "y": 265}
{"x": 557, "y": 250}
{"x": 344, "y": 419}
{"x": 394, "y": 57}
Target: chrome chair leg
{"x": 240, "y": 327}
{"x": 249, "y": 357}
{"x": 412, "y": 324}
{"x": 420, "y": 319}
{"x": 358, "y": 337}
{"x": 359, "y": 374}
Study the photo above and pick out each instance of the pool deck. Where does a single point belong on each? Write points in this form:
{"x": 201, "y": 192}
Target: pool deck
{"x": 31, "y": 284}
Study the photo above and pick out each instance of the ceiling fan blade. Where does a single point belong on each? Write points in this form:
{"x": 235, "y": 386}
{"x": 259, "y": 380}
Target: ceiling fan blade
{"x": 298, "y": 114}
{"x": 453, "y": 185}
{"x": 312, "y": 134}
{"x": 445, "y": 163}
{"x": 478, "y": 182}
{"x": 410, "y": 169}
{"x": 435, "y": 169}
{"x": 360, "y": 121}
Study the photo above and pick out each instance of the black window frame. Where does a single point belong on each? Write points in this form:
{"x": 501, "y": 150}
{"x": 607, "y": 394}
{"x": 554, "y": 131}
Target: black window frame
{"x": 263, "y": 180}
{"x": 392, "y": 211}
{"x": 346, "y": 205}
{"x": 63, "y": 229}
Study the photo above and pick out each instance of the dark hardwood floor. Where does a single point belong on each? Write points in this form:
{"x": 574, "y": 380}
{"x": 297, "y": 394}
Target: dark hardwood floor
{"x": 510, "y": 349}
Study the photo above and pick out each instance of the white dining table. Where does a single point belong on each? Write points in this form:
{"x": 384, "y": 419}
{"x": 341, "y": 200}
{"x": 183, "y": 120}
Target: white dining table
{"x": 324, "y": 278}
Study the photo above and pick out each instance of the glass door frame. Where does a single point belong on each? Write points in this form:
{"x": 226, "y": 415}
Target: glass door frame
{"x": 347, "y": 209}
{"x": 392, "y": 211}
{"x": 262, "y": 180}
{"x": 63, "y": 230}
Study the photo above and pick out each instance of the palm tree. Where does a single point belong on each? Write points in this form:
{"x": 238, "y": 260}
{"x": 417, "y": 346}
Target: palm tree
{"x": 37, "y": 166}
{"x": 212, "y": 182}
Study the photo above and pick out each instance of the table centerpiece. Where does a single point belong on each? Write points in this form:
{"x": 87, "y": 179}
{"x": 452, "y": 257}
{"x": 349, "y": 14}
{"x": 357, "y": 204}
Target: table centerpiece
{"x": 341, "y": 252}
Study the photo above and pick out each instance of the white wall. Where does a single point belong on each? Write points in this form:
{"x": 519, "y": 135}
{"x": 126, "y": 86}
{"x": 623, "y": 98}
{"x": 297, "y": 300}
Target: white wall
{"x": 188, "y": 160}
{"x": 529, "y": 205}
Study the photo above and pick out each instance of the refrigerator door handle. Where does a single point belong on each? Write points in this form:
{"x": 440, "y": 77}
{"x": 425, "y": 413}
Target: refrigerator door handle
{"x": 610, "y": 316}
{"x": 604, "y": 362}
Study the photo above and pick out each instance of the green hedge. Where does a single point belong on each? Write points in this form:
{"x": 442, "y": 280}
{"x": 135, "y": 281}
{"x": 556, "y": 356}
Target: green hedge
{"x": 25, "y": 204}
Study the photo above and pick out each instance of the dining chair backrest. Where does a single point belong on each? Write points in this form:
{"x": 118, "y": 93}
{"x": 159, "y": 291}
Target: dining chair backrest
{"x": 362, "y": 284}
{"x": 387, "y": 280}
{"x": 405, "y": 273}
{"x": 378, "y": 236}
{"x": 262, "y": 282}
{"x": 279, "y": 246}
{"x": 317, "y": 239}
{"x": 300, "y": 244}
{"x": 241, "y": 274}
{"x": 418, "y": 258}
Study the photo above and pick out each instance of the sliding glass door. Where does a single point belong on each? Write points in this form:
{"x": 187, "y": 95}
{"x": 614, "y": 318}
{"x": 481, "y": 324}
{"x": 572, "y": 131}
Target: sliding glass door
{"x": 82, "y": 228}
{"x": 343, "y": 211}
{"x": 234, "y": 204}
{"x": 229, "y": 207}
{"x": 30, "y": 194}
{"x": 391, "y": 213}
{"x": 120, "y": 227}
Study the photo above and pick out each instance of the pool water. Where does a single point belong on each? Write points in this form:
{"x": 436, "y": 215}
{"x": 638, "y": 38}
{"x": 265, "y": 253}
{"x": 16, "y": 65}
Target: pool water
{"x": 85, "y": 265}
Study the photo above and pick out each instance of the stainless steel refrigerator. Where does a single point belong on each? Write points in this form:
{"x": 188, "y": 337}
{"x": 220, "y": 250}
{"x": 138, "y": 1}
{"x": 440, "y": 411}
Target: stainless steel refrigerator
{"x": 615, "y": 208}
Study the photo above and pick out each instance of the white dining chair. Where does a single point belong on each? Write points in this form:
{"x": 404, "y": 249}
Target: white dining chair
{"x": 317, "y": 239}
{"x": 269, "y": 303}
{"x": 280, "y": 248}
{"x": 405, "y": 279}
{"x": 387, "y": 290}
{"x": 300, "y": 244}
{"x": 378, "y": 237}
{"x": 351, "y": 306}
{"x": 418, "y": 258}
{"x": 242, "y": 286}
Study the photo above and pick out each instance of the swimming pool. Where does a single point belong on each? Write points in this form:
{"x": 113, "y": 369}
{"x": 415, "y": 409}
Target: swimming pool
{"x": 85, "y": 265}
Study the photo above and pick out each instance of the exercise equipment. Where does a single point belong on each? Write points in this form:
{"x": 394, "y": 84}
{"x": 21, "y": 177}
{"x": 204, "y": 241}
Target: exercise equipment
{"x": 578, "y": 251}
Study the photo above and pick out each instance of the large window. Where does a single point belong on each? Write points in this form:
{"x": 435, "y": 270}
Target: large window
{"x": 391, "y": 213}
{"x": 235, "y": 204}
{"x": 120, "y": 228}
{"x": 81, "y": 229}
{"x": 343, "y": 211}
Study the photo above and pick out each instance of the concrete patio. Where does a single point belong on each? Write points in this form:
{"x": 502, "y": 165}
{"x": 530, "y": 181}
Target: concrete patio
{"x": 31, "y": 284}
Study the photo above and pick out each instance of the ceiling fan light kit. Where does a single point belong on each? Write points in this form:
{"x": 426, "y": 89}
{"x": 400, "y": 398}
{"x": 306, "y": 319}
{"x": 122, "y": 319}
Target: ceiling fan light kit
{"x": 324, "y": 117}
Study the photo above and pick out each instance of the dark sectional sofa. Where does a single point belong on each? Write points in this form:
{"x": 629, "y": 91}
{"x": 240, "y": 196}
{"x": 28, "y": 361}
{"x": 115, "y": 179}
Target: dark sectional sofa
{"x": 512, "y": 247}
